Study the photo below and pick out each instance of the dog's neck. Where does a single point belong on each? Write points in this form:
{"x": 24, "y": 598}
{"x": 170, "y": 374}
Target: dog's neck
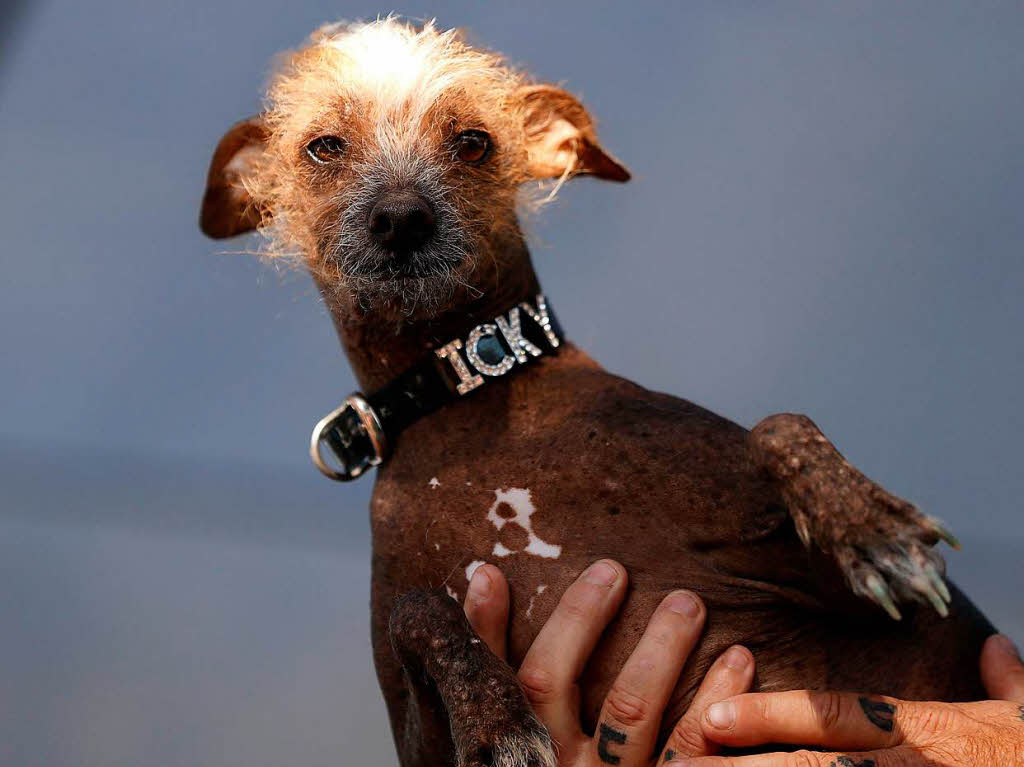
{"x": 378, "y": 350}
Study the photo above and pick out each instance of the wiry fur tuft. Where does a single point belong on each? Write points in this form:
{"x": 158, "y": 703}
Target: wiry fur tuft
{"x": 524, "y": 750}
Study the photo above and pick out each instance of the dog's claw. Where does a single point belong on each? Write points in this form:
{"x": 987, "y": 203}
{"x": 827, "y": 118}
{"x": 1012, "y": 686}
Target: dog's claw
{"x": 938, "y": 583}
{"x": 944, "y": 534}
{"x": 938, "y": 604}
{"x": 881, "y": 594}
{"x": 888, "y": 573}
{"x": 928, "y": 590}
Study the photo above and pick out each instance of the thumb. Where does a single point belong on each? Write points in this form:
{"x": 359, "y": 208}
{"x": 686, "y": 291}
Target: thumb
{"x": 486, "y": 607}
{"x": 1002, "y": 670}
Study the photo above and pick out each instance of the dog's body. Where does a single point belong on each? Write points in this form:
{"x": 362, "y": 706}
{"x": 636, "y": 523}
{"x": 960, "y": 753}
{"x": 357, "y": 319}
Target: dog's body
{"x": 664, "y": 487}
{"x": 390, "y": 158}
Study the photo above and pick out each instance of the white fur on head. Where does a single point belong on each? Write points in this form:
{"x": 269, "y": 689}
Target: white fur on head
{"x": 401, "y": 70}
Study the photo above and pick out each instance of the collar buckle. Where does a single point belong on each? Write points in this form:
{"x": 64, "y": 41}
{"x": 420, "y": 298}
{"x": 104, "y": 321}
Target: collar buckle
{"x": 355, "y": 436}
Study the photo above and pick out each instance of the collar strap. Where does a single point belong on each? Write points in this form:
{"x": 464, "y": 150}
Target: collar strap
{"x": 361, "y": 431}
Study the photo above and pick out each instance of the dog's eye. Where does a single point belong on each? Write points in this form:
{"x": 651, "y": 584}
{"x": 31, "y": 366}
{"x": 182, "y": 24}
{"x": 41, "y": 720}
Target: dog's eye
{"x": 326, "y": 149}
{"x": 472, "y": 146}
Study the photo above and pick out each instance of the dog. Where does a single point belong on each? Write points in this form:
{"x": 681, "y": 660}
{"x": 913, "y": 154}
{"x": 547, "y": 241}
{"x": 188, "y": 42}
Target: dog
{"x": 391, "y": 160}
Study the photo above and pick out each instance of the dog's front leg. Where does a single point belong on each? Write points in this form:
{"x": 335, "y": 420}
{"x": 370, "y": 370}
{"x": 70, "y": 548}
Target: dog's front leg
{"x": 492, "y": 724}
{"x": 881, "y": 543}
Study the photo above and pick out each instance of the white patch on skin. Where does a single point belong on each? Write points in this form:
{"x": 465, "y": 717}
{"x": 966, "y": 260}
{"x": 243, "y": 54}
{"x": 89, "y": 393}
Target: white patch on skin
{"x": 519, "y": 500}
{"x": 529, "y": 608}
{"x": 501, "y": 550}
{"x": 451, "y": 592}
{"x": 434, "y": 483}
{"x": 472, "y": 567}
{"x": 469, "y": 484}
{"x": 437, "y": 546}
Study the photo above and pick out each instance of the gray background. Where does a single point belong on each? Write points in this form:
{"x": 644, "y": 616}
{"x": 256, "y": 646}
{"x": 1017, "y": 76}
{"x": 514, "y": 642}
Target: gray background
{"x": 825, "y": 217}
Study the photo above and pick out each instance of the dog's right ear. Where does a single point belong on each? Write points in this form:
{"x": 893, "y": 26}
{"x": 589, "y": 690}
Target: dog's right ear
{"x": 560, "y": 137}
{"x": 227, "y": 207}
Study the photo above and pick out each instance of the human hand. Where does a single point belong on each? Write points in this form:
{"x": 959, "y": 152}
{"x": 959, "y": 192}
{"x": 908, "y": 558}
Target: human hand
{"x": 874, "y": 731}
{"x": 632, "y": 712}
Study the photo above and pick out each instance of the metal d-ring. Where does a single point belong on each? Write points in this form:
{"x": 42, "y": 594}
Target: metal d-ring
{"x": 371, "y": 425}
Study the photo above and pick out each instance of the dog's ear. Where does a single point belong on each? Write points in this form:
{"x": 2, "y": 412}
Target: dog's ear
{"x": 560, "y": 137}
{"x": 227, "y": 207}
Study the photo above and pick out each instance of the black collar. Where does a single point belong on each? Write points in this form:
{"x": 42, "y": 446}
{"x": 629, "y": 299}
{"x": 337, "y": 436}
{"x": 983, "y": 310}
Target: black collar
{"x": 361, "y": 431}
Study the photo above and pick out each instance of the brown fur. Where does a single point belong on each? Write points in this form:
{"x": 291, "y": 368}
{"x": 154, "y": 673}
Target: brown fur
{"x": 680, "y": 496}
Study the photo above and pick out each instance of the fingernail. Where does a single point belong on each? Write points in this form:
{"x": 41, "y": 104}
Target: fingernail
{"x": 1006, "y": 646}
{"x": 721, "y": 716}
{"x": 601, "y": 573}
{"x": 683, "y": 603}
{"x": 736, "y": 659}
{"x": 480, "y": 586}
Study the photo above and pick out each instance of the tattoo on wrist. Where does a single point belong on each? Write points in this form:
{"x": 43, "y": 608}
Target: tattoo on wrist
{"x": 878, "y": 713}
{"x": 845, "y": 761}
{"x": 608, "y": 735}
{"x": 670, "y": 754}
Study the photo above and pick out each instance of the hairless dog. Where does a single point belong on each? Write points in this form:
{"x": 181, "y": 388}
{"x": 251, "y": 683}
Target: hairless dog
{"x": 395, "y": 162}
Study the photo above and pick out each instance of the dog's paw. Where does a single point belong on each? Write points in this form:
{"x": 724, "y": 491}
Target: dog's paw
{"x": 889, "y": 570}
{"x": 881, "y": 543}
{"x": 884, "y": 546}
{"x": 517, "y": 745}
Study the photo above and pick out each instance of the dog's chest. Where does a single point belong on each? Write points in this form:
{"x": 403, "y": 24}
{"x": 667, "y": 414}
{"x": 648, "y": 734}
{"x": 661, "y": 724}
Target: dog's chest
{"x": 557, "y": 468}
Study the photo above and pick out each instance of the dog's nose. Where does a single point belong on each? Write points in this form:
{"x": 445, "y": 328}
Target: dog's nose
{"x": 401, "y": 222}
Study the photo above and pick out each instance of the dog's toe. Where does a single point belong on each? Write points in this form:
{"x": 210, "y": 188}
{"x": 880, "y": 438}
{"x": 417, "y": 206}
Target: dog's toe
{"x": 887, "y": 572}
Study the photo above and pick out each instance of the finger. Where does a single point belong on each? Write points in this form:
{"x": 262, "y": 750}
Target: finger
{"x": 730, "y": 675}
{"x": 631, "y": 715}
{"x": 555, "y": 660}
{"x": 487, "y": 608}
{"x": 1002, "y": 670}
{"x": 894, "y": 758}
{"x": 828, "y": 719}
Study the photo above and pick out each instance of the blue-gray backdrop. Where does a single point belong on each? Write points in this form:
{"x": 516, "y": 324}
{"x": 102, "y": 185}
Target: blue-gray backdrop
{"x": 825, "y": 217}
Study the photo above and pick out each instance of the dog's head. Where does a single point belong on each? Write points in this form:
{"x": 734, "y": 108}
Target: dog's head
{"x": 391, "y": 159}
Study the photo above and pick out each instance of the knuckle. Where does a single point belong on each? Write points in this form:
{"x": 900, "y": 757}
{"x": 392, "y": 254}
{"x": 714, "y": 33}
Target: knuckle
{"x": 687, "y": 739}
{"x": 932, "y": 718}
{"x": 803, "y": 759}
{"x": 576, "y": 608}
{"x": 660, "y": 640}
{"x": 828, "y": 708}
{"x": 581, "y": 602}
{"x": 627, "y": 708}
{"x": 538, "y": 684}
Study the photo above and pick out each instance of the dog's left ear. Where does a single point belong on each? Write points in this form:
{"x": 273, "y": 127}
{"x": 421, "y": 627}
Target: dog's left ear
{"x": 227, "y": 207}
{"x": 560, "y": 137}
